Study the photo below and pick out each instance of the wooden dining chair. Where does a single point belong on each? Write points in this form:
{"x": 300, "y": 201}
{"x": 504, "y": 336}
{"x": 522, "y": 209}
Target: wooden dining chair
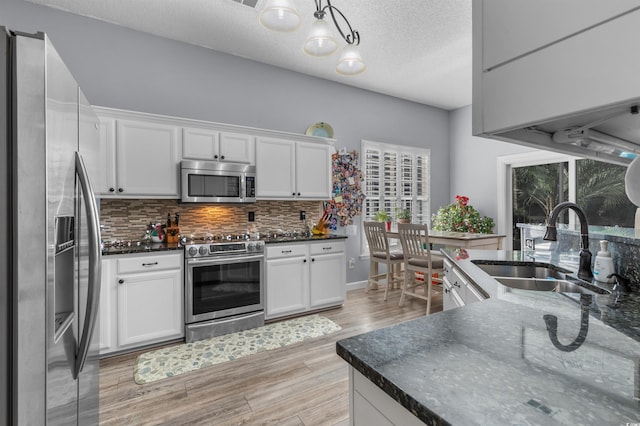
{"x": 418, "y": 258}
{"x": 379, "y": 252}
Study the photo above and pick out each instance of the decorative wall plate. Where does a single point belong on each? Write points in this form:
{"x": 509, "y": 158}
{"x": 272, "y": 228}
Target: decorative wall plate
{"x": 321, "y": 129}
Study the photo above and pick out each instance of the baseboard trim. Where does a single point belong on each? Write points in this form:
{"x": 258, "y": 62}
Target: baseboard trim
{"x": 356, "y": 285}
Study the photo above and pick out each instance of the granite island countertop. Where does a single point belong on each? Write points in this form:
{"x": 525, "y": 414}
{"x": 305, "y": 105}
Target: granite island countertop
{"x": 493, "y": 362}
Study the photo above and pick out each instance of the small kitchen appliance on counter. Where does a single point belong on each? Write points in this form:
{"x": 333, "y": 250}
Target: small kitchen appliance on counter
{"x": 224, "y": 287}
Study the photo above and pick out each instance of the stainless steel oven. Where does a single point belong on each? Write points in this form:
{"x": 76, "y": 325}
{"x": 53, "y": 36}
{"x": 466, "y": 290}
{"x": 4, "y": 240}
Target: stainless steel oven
{"x": 224, "y": 288}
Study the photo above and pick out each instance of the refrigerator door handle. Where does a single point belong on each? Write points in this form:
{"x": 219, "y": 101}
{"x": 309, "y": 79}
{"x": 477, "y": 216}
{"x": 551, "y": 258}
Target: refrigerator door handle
{"x": 95, "y": 265}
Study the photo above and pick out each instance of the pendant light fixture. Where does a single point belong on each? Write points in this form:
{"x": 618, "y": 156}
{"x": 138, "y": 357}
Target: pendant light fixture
{"x": 350, "y": 62}
{"x": 280, "y": 15}
{"x": 320, "y": 41}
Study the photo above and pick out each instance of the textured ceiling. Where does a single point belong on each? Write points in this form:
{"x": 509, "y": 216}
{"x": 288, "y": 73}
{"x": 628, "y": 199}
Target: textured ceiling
{"x": 417, "y": 50}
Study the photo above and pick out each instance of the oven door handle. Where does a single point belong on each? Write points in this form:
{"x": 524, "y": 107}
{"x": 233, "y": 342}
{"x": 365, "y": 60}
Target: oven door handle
{"x": 221, "y": 259}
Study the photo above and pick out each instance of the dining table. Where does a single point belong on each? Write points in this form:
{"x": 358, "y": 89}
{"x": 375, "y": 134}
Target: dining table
{"x": 465, "y": 240}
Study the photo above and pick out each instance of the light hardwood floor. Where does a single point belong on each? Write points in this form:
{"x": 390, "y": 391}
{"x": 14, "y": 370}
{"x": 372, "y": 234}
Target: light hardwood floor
{"x": 301, "y": 384}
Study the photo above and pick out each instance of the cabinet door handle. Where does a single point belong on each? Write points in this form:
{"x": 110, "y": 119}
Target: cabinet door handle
{"x": 120, "y": 281}
{"x": 215, "y": 156}
{"x": 150, "y": 264}
{"x": 304, "y": 261}
{"x": 446, "y": 290}
{"x": 112, "y": 190}
{"x": 120, "y": 190}
{"x": 222, "y": 157}
{"x": 456, "y": 284}
{"x": 298, "y": 194}
{"x": 313, "y": 260}
{"x": 293, "y": 193}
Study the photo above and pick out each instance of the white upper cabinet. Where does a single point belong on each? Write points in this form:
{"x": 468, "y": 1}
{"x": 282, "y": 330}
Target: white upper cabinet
{"x": 275, "y": 168}
{"x": 313, "y": 170}
{"x": 293, "y": 170}
{"x": 512, "y": 28}
{"x": 237, "y": 148}
{"x": 106, "y": 180}
{"x": 200, "y": 144}
{"x": 212, "y": 145}
{"x": 140, "y": 156}
{"x": 147, "y": 161}
{"x": 544, "y": 66}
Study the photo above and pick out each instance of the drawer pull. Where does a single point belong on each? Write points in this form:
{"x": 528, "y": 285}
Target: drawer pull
{"x": 327, "y": 248}
{"x": 150, "y": 264}
{"x": 456, "y": 284}
{"x": 286, "y": 251}
{"x": 120, "y": 281}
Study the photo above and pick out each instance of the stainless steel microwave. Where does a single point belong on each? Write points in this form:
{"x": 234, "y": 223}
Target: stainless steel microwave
{"x": 217, "y": 182}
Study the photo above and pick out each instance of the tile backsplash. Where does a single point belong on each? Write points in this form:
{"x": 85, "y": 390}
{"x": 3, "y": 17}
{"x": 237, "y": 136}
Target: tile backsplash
{"x": 127, "y": 219}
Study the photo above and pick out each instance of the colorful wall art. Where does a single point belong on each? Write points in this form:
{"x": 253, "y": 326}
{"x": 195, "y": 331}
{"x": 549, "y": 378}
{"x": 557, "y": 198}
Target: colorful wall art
{"x": 347, "y": 197}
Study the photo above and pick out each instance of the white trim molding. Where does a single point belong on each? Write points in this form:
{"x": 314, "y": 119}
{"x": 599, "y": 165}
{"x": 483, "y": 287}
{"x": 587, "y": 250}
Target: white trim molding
{"x": 505, "y": 165}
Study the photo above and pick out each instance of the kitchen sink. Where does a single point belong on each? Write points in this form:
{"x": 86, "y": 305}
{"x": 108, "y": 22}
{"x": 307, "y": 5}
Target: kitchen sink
{"x": 522, "y": 269}
{"x": 536, "y": 276}
{"x": 559, "y": 286}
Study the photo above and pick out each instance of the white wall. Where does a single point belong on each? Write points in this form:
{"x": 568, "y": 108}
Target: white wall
{"x": 121, "y": 68}
{"x": 473, "y": 170}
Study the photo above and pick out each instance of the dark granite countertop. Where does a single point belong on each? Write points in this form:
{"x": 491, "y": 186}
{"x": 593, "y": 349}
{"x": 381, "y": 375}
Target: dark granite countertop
{"x": 137, "y": 248}
{"x": 494, "y": 362}
{"x": 278, "y": 240}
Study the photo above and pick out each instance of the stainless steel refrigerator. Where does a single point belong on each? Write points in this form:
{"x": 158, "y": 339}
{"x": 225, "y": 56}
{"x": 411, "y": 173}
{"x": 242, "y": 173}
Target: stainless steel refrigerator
{"x": 50, "y": 256}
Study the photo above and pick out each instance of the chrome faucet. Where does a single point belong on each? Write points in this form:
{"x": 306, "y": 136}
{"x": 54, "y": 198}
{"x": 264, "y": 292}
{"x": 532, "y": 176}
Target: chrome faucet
{"x": 584, "y": 268}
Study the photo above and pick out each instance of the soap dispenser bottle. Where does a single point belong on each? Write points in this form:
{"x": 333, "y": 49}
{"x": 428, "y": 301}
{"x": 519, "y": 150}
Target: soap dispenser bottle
{"x": 603, "y": 266}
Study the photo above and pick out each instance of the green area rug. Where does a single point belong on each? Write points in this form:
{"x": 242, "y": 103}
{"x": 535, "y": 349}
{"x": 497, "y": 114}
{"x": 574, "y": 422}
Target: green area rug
{"x": 174, "y": 360}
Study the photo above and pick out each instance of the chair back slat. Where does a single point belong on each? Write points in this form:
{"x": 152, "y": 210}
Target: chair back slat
{"x": 376, "y": 237}
{"x": 415, "y": 240}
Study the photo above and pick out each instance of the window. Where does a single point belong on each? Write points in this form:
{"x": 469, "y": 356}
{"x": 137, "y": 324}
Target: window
{"x": 395, "y": 178}
{"x": 535, "y": 182}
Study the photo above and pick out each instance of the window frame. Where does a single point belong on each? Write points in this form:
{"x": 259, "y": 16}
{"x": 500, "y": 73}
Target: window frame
{"x": 397, "y": 196}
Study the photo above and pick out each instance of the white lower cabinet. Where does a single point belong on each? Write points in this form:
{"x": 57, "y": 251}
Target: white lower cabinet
{"x": 304, "y": 276}
{"x": 108, "y": 310}
{"x": 327, "y": 280}
{"x": 141, "y": 301}
{"x": 370, "y": 405}
{"x": 458, "y": 291}
{"x": 287, "y": 275}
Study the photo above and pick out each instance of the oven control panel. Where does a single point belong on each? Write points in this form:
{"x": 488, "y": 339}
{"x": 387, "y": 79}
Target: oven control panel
{"x": 219, "y": 249}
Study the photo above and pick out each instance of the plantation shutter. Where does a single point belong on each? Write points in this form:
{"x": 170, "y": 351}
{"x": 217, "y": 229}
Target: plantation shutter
{"x": 371, "y": 171}
{"x": 422, "y": 207}
{"x": 395, "y": 177}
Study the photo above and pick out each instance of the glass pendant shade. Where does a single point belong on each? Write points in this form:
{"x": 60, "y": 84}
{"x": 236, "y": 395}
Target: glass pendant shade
{"x": 320, "y": 41}
{"x": 280, "y": 15}
{"x": 350, "y": 62}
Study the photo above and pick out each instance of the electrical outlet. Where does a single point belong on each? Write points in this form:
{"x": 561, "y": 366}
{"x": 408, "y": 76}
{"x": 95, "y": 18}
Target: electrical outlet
{"x": 529, "y": 244}
{"x": 252, "y": 216}
{"x": 303, "y": 215}
{"x": 352, "y": 263}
